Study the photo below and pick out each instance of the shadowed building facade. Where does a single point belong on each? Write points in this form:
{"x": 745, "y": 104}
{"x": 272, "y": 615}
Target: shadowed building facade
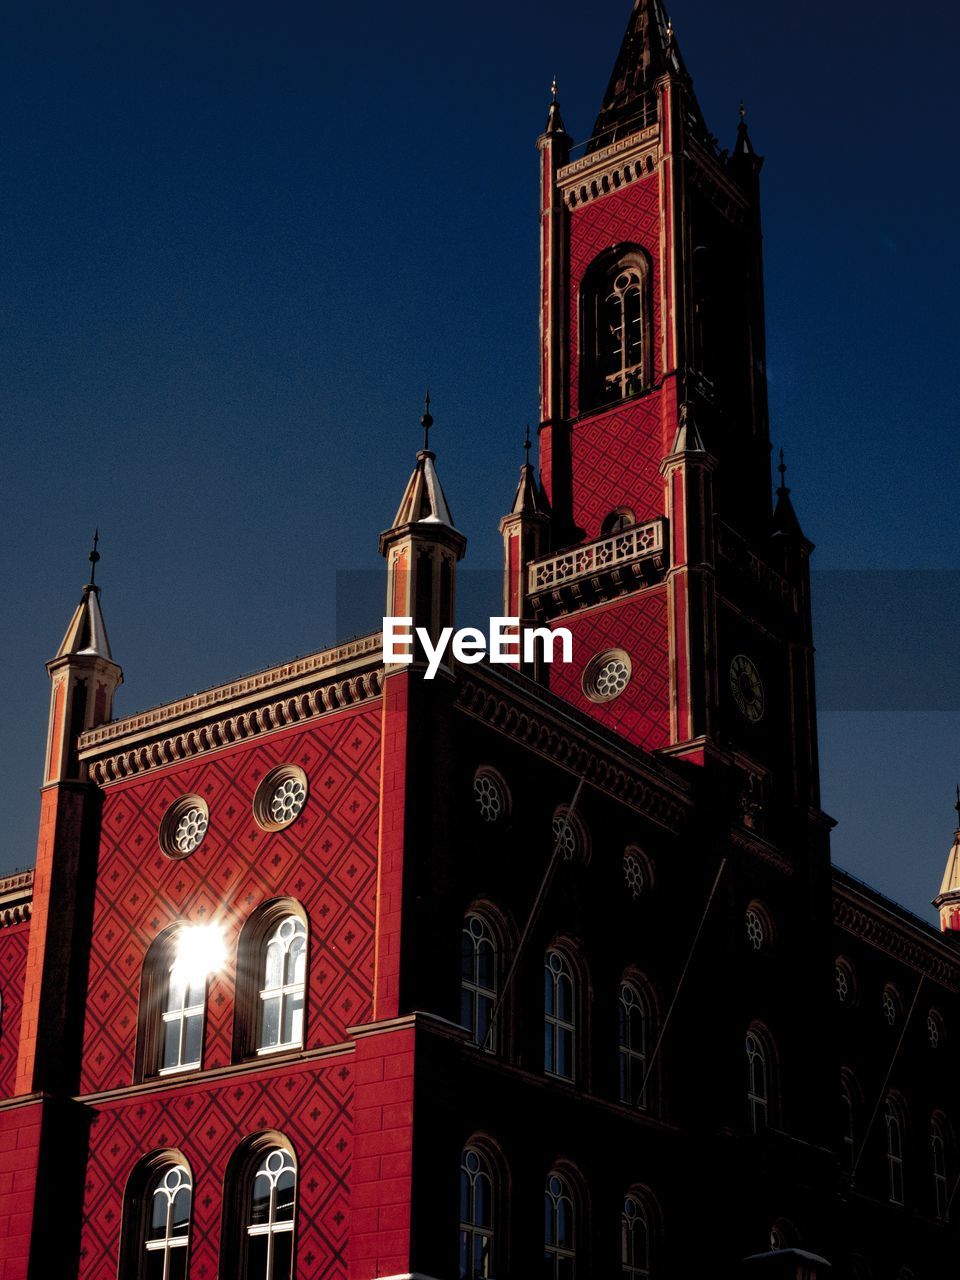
{"x": 341, "y": 973}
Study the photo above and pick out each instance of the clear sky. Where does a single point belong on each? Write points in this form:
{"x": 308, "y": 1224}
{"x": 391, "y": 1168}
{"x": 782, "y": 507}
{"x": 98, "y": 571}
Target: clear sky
{"x": 239, "y": 239}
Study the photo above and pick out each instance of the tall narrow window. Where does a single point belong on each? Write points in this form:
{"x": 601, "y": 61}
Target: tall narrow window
{"x": 894, "y": 1126}
{"x": 155, "y": 1240}
{"x": 758, "y": 1082}
{"x": 182, "y": 1019}
{"x": 478, "y": 981}
{"x": 616, "y": 344}
{"x": 849, "y": 1126}
{"x": 281, "y": 996}
{"x": 634, "y": 1240}
{"x": 271, "y": 1209}
{"x": 634, "y": 1028}
{"x": 477, "y": 1190}
{"x": 938, "y": 1167}
{"x": 271, "y": 980}
{"x": 168, "y": 1225}
{"x": 559, "y": 1017}
{"x": 559, "y": 1230}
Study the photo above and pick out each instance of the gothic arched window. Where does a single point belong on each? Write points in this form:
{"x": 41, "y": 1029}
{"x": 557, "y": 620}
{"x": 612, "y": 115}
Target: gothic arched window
{"x": 939, "y": 1160}
{"x": 893, "y": 1120}
{"x": 634, "y": 1016}
{"x": 156, "y": 1219}
{"x": 271, "y": 980}
{"x": 260, "y": 1209}
{"x": 479, "y": 973}
{"x": 616, "y": 339}
{"x": 636, "y": 1239}
{"x": 559, "y": 1229}
{"x": 559, "y": 1016}
{"x": 759, "y": 1070}
{"x": 477, "y": 1214}
{"x": 173, "y": 994}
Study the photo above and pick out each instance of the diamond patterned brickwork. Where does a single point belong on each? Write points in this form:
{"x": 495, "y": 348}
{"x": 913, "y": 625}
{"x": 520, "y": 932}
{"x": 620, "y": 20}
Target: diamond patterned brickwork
{"x": 616, "y": 463}
{"x": 309, "y": 1103}
{"x": 631, "y": 215}
{"x": 326, "y": 860}
{"x": 13, "y": 958}
{"x": 639, "y": 626}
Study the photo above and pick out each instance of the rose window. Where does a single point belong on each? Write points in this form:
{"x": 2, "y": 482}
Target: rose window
{"x": 756, "y": 933}
{"x": 607, "y": 675}
{"x": 287, "y": 800}
{"x": 489, "y": 796}
{"x": 280, "y": 797}
{"x": 184, "y": 826}
{"x": 633, "y": 874}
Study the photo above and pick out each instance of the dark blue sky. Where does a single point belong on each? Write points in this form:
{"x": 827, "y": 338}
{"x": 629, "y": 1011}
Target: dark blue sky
{"x": 239, "y": 239}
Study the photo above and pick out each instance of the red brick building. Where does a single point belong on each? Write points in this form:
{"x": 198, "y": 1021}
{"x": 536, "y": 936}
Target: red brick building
{"x": 339, "y": 973}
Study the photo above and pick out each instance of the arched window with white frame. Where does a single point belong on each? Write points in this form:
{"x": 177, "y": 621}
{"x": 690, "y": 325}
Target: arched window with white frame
{"x": 479, "y": 979}
{"x": 940, "y": 1152}
{"x": 260, "y": 1210}
{"x": 155, "y": 1236}
{"x": 173, "y": 996}
{"x": 636, "y": 1238}
{"x": 478, "y": 1208}
{"x": 759, "y": 1079}
{"x": 559, "y": 1016}
{"x": 893, "y": 1123}
{"x": 272, "y": 969}
{"x": 282, "y": 992}
{"x": 634, "y": 1043}
{"x": 560, "y": 1229}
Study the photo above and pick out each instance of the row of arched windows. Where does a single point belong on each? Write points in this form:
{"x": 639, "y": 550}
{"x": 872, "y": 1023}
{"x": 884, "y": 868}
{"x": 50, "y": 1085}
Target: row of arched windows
{"x": 481, "y": 965}
{"x": 892, "y": 1119}
{"x": 260, "y": 1200}
{"x": 481, "y": 1191}
{"x": 271, "y": 987}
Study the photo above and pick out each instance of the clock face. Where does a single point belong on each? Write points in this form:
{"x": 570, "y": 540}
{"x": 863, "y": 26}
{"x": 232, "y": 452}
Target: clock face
{"x": 747, "y": 688}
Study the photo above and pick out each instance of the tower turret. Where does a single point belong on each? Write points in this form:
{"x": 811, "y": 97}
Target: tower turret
{"x": 422, "y": 548}
{"x": 83, "y": 679}
{"x": 524, "y": 530}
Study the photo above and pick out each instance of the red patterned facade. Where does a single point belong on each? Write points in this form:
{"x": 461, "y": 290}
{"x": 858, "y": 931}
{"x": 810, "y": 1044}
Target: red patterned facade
{"x": 574, "y": 951}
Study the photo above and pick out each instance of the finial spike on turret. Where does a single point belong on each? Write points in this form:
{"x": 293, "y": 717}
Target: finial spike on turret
{"x": 93, "y": 557}
{"x": 426, "y": 421}
{"x": 527, "y": 446}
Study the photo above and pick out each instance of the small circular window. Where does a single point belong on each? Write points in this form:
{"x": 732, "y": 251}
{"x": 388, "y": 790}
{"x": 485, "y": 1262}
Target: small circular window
{"x": 280, "y": 797}
{"x": 569, "y": 836}
{"x": 607, "y": 675}
{"x": 890, "y": 1004}
{"x": 637, "y": 875}
{"x": 843, "y": 982}
{"x": 183, "y": 827}
{"x": 755, "y": 926}
{"x": 490, "y": 795}
{"x": 935, "y": 1036}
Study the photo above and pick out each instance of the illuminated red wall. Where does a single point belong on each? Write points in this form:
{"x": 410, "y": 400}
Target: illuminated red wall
{"x": 326, "y": 860}
{"x": 13, "y": 958}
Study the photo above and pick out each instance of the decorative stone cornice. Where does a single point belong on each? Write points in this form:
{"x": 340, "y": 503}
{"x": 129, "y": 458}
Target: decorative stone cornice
{"x": 513, "y": 705}
{"x": 706, "y": 174}
{"x": 750, "y": 842}
{"x": 16, "y": 898}
{"x": 261, "y": 703}
{"x": 880, "y": 924}
{"x": 610, "y": 168}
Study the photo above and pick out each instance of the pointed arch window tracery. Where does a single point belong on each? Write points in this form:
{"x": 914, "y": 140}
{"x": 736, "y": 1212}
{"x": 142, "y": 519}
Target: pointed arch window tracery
{"x": 616, "y": 354}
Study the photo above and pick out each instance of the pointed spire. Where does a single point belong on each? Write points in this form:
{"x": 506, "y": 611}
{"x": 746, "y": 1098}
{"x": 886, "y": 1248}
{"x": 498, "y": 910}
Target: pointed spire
{"x": 649, "y": 51}
{"x": 87, "y": 632}
{"x": 688, "y": 438}
{"x": 555, "y": 123}
{"x": 785, "y": 522}
{"x": 744, "y": 158}
{"x": 529, "y": 499}
{"x": 423, "y": 500}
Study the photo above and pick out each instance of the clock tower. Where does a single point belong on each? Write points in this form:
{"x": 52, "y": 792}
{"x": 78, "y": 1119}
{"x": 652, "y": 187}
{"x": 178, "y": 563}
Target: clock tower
{"x": 685, "y": 588}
